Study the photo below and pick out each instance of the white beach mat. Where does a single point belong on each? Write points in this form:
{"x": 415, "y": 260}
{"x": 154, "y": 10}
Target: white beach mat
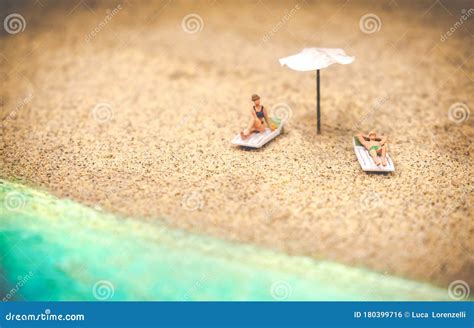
{"x": 258, "y": 139}
{"x": 366, "y": 161}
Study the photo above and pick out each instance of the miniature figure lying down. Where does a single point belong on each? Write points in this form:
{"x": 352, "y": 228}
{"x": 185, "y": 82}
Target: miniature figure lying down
{"x": 258, "y": 120}
{"x": 375, "y": 146}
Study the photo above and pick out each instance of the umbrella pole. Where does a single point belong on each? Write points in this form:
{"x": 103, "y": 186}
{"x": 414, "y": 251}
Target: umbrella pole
{"x": 318, "y": 108}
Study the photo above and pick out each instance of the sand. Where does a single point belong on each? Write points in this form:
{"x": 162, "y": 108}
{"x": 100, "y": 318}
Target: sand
{"x": 137, "y": 120}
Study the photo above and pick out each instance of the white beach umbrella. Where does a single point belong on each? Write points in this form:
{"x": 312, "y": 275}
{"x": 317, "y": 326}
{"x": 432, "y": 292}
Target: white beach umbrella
{"x": 310, "y": 59}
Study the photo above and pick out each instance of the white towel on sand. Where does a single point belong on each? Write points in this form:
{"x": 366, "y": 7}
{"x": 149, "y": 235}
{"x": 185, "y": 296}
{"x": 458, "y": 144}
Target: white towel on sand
{"x": 367, "y": 163}
{"x": 257, "y": 140}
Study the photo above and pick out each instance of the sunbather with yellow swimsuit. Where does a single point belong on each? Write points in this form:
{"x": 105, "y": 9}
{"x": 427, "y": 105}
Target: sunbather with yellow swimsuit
{"x": 375, "y": 146}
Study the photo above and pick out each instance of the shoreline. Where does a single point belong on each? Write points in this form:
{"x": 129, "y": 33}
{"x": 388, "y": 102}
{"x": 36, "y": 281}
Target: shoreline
{"x": 194, "y": 267}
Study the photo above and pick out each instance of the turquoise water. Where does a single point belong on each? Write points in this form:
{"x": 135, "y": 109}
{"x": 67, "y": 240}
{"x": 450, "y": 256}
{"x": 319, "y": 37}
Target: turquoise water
{"x": 57, "y": 249}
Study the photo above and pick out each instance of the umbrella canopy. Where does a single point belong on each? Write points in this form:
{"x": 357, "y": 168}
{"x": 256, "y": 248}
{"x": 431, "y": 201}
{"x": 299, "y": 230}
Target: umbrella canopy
{"x": 314, "y": 59}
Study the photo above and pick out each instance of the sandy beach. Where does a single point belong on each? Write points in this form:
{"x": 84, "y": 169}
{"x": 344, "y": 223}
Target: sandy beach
{"x": 130, "y": 107}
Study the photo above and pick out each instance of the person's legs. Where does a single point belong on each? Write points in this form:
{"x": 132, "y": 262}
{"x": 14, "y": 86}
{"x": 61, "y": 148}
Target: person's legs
{"x": 250, "y": 128}
{"x": 259, "y": 126}
{"x": 375, "y": 157}
{"x": 383, "y": 153}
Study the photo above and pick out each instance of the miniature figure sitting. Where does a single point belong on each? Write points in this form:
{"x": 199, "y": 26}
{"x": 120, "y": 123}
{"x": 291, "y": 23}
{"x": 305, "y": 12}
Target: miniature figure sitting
{"x": 259, "y": 118}
{"x": 375, "y": 146}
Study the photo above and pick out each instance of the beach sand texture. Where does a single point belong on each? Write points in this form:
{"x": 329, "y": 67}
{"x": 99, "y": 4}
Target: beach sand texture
{"x": 137, "y": 119}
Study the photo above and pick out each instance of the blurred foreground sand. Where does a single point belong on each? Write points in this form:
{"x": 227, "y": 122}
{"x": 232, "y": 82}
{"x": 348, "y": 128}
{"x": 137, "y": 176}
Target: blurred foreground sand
{"x": 158, "y": 146}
